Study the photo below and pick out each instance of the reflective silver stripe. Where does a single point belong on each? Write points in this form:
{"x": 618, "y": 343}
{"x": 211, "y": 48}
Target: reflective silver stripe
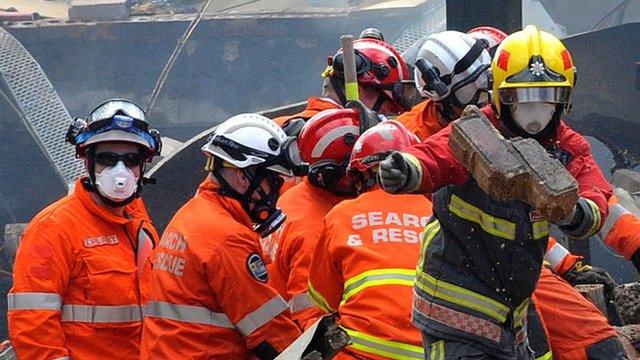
{"x": 262, "y": 315}
{"x": 34, "y": 301}
{"x": 555, "y": 255}
{"x": 63, "y": 358}
{"x": 187, "y": 313}
{"x": 300, "y": 302}
{"x": 615, "y": 212}
{"x": 101, "y": 314}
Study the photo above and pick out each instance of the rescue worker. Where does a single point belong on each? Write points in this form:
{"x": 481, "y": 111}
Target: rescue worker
{"x": 444, "y": 51}
{"x": 458, "y": 54}
{"x": 325, "y": 143}
{"x": 383, "y": 81}
{"x": 211, "y": 295}
{"x": 76, "y": 283}
{"x": 470, "y": 305}
{"x": 364, "y": 263}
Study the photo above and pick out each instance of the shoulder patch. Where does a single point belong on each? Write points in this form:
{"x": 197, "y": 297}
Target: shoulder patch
{"x": 256, "y": 267}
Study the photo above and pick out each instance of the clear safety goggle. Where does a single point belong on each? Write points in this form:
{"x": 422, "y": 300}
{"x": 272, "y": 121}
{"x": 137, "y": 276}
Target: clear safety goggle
{"x": 118, "y": 122}
{"x": 110, "y": 108}
{"x": 555, "y": 95}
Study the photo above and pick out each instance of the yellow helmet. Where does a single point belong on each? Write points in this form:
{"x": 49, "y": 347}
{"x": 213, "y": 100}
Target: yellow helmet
{"x": 534, "y": 60}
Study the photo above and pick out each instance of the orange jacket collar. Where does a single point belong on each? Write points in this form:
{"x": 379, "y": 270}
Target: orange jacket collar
{"x": 89, "y": 202}
{"x": 209, "y": 190}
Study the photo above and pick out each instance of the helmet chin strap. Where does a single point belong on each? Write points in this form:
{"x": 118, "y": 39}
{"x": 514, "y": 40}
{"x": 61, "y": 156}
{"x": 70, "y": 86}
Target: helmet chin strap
{"x": 263, "y": 212}
{"x": 90, "y": 183}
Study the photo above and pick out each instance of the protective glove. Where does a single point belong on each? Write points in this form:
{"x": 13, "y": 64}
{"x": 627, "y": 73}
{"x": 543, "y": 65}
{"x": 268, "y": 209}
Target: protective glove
{"x": 586, "y": 274}
{"x": 398, "y": 174}
{"x": 368, "y": 117}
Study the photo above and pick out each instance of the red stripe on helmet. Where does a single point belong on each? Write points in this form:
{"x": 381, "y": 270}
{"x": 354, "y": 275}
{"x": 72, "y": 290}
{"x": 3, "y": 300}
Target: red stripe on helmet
{"x": 566, "y": 59}
{"x": 503, "y": 60}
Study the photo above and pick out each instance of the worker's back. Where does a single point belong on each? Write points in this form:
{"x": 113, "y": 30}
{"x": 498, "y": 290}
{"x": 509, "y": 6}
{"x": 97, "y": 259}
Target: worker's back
{"x": 364, "y": 266}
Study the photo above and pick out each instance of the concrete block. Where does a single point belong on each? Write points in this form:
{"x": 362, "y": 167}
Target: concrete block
{"x": 98, "y": 10}
{"x": 517, "y": 169}
{"x": 627, "y": 179}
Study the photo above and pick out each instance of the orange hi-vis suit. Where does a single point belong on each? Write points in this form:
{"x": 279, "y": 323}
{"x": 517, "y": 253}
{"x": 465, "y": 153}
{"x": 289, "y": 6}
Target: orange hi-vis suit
{"x": 363, "y": 267}
{"x": 76, "y": 291}
{"x": 563, "y": 311}
{"x": 290, "y": 248}
{"x": 210, "y": 295}
{"x": 422, "y": 120}
{"x": 621, "y": 231}
{"x": 572, "y": 322}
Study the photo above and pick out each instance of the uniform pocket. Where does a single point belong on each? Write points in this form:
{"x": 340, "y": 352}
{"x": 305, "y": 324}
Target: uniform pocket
{"x": 111, "y": 278}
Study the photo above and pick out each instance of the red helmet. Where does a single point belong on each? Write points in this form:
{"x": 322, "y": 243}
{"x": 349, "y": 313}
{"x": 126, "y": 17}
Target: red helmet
{"x": 376, "y": 143}
{"x": 325, "y": 143}
{"x": 490, "y": 35}
{"x": 378, "y": 64}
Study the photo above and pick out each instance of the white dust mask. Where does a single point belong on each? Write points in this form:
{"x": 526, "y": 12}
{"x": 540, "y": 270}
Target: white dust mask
{"x": 532, "y": 117}
{"x": 117, "y": 183}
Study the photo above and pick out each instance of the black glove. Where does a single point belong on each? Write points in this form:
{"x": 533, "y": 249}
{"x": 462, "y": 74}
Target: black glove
{"x": 368, "y": 117}
{"x": 397, "y": 174}
{"x": 587, "y": 274}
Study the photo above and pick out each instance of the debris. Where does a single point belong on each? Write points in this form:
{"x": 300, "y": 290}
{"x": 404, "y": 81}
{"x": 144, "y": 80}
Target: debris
{"x": 98, "y": 10}
{"x": 627, "y": 300}
{"x": 629, "y": 336}
{"x": 595, "y": 294}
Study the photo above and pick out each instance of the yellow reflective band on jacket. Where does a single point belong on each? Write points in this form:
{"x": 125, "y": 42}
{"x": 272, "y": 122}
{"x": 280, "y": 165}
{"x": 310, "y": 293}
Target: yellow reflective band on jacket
{"x": 382, "y": 347}
{"x": 318, "y": 300}
{"x": 430, "y": 231}
{"x": 597, "y": 217}
{"x": 540, "y": 229}
{"x": 491, "y": 224}
{"x": 437, "y": 350}
{"x": 520, "y": 314}
{"x": 375, "y": 278}
{"x": 461, "y": 296}
{"x": 547, "y": 356}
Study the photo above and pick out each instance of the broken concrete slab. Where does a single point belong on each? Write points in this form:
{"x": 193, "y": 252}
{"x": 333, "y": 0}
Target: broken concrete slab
{"x": 626, "y": 179}
{"x": 98, "y": 10}
{"x": 512, "y": 169}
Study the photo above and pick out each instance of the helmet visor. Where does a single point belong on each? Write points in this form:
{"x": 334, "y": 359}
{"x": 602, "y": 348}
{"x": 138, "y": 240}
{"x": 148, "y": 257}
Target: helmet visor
{"x": 554, "y": 95}
{"x": 109, "y": 109}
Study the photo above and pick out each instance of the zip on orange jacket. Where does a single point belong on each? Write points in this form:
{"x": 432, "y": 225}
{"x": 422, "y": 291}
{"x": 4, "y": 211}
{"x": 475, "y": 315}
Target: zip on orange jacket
{"x": 363, "y": 267}
{"x": 76, "y": 291}
{"x": 573, "y": 323}
{"x": 292, "y": 245}
{"x": 211, "y": 296}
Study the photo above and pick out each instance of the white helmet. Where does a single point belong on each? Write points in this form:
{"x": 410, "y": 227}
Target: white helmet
{"x": 250, "y": 139}
{"x": 453, "y": 65}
